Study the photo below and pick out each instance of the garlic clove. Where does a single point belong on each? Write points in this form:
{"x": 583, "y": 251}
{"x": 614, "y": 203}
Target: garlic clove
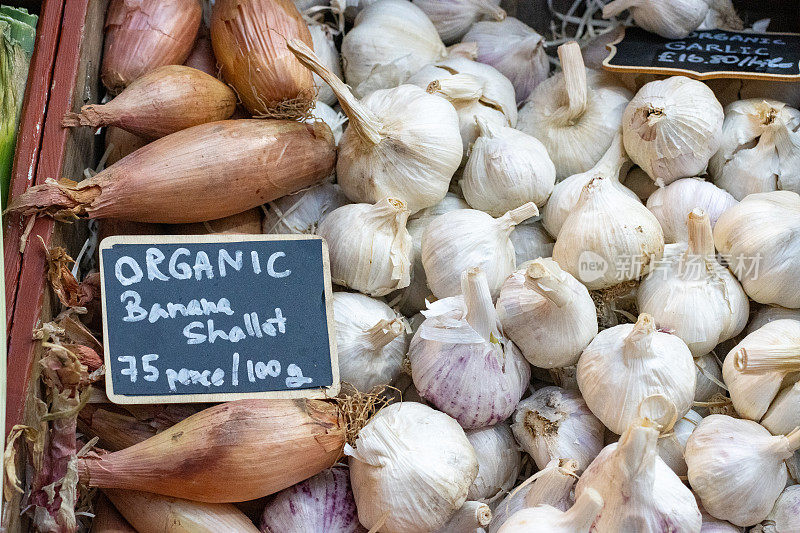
{"x": 575, "y": 119}
{"x": 462, "y": 363}
{"x": 671, "y": 446}
{"x": 759, "y": 237}
{"x": 578, "y": 519}
{"x": 673, "y": 203}
{"x": 672, "y": 127}
{"x": 499, "y": 461}
{"x": 506, "y": 169}
{"x": 369, "y": 246}
{"x": 555, "y": 424}
{"x": 675, "y": 19}
{"x": 548, "y": 314}
{"x": 371, "y": 340}
{"x": 783, "y": 416}
{"x": 458, "y": 240}
{"x": 453, "y": 18}
{"x": 628, "y": 363}
{"x": 736, "y": 467}
{"x": 609, "y": 237}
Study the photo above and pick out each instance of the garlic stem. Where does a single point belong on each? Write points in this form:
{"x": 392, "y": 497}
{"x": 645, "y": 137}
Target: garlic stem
{"x": 471, "y": 516}
{"x": 613, "y": 160}
{"x": 458, "y": 87}
{"x": 545, "y": 282}
{"x": 638, "y": 449}
{"x": 658, "y": 411}
{"x": 554, "y": 485}
{"x": 768, "y": 358}
{"x": 491, "y": 10}
{"x": 586, "y": 508}
{"x": 637, "y": 343}
{"x": 575, "y": 84}
{"x": 794, "y": 439}
{"x": 612, "y": 9}
{"x": 701, "y": 239}
{"x": 481, "y": 314}
{"x": 384, "y": 332}
{"x": 364, "y": 122}
{"x": 517, "y": 216}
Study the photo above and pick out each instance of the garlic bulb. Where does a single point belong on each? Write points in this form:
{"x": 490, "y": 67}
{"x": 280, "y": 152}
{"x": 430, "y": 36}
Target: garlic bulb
{"x": 674, "y": 19}
{"x": 715, "y": 525}
{"x": 302, "y": 211}
{"x": 411, "y": 468}
{"x": 391, "y": 40}
{"x": 400, "y": 142}
{"x": 370, "y": 248}
{"x": 736, "y": 467}
{"x": 531, "y": 241}
{"x": 474, "y": 90}
{"x": 514, "y": 49}
{"x": 453, "y": 18}
{"x": 576, "y": 120}
{"x": 709, "y": 378}
{"x": 640, "y": 492}
{"x": 625, "y": 364}
{"x": 640, "y": 183}
{"x": 609, "y": 237}
{"x": 462, "y": 363}
{"x": 321, "y": 503}
{"x": 551, "y": 486}
{"x": 578, "y": 519}
{"x": 691, "y": 294}
{"x": 753, "y": 382}
{"x": 555, "y": 423}
{"x": 506, "y": 169}
{"x": 547, "y": 313}
{"x": 411, "y": 300}
{"x": 325, "y": 49}
{"x": 672, "y": 127}
{"x": 673, "y": 203}
{"x": 325, "y": 113}
{"x": 785, "y": 515}
{"x": 566, "y": 193}
{"x": 456, "y": 241}
{"x": 371, "y": 340}
{"x": 760, "y": 150}
{"x": 782, "y": 415}
{"x": 760, "y": 237}
{"x": 499, "y": 461}
{"x": 767, "y": 313}
{"x": 671, "y": 446}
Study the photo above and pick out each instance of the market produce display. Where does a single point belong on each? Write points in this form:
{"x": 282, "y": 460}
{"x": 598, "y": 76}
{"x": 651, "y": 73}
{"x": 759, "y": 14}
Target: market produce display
{"x": 565, "y": 300}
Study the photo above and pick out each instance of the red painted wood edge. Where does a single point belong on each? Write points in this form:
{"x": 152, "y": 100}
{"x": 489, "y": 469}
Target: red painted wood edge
{"x": 29, "y": 139}
{"x": 32, "y": 283}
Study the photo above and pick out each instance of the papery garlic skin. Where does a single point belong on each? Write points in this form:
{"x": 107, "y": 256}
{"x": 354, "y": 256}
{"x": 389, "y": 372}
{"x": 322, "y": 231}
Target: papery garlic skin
{"x": 548, "y": 314}
{"x": 578, "y": 519}
{"x": 303, "y": 211}
{"x": 640, "y": 491}
{"x": 670, "y": 447}
{"x": 760, "y": 236}
{"x": 462, "y": 363}
{"x": 736, "y": 467}
{"x": 499, "y": 461}
{"x": 456, "y": 241}
{"x": 625, "y": 364}
{"x": 767, "y": 313}
{"x": 672, "y": 127}
{"x": 506, "y": 169}
{"x": 453, "y": 18}
{"x": 691, "y": 294}
{"x": 575, "y": 117}
{"x": 391, "y": 40}
{"x": 673, "y": 203}
{"x": 674, "y": 19}
{"x": 412, "y": 466}
{"x": 608, "y": 238}
{"x": 783, "y": 415}
{"x": 371, "y": 340}
{"x": 369, "y": 246}
{"x": 531, "y": 241}
{"x": 752, "y": 393}
{"x": 322, "y": 503}
{"x": 757, "y": 152}
{"x": 555, "y": 423}
{"x": 514, "y": 49}
{"x": 709, "y": 378}
{"x": 566, "y": 193}
{"x": 785, "y": 515}
{"x": 325, "y": 113}
{"x": 325, "y": 48}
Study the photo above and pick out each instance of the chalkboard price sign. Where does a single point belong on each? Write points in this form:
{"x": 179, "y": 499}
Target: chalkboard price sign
{"x": 217, "y": 318}
{"x": 708, "y": 54}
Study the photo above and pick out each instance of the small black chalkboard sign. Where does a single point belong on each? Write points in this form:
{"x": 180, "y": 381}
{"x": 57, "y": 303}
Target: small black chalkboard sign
{"x": 708, "y": 54}
{"x": 217, "y": 318}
